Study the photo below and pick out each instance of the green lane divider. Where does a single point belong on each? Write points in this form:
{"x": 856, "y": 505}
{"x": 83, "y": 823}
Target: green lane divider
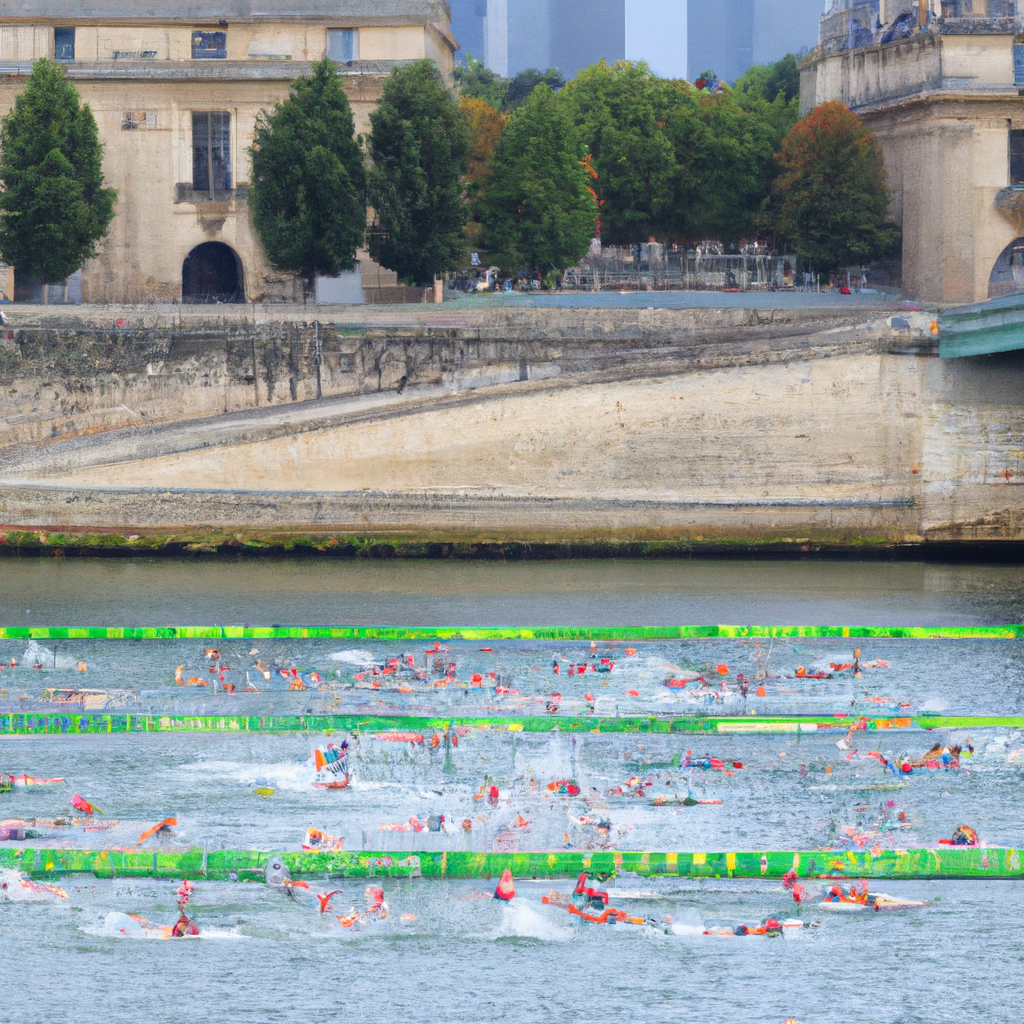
{"x": 71, "y": 724}
{"x": 563, "y": 633}
{"x": 250, "y": 865}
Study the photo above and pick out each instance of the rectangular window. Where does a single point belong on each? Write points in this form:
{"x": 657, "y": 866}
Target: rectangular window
{"x": 1018, "y": 65}
{"x": 209, "y": 45}
{"x": 211, "y": 151}
{"x": 1016, "y": 156}
{"x": 343, "y": 44}
{"x": 64, "y": 44}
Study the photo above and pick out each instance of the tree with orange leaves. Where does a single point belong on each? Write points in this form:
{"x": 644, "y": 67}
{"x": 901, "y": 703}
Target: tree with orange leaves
{"x": 485, "y": 127}
{"x": 830, "y": 201}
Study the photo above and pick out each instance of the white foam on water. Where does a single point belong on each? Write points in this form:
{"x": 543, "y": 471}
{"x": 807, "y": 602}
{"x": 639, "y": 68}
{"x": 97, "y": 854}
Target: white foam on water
{"x": 15, "y": 888}
{"x": 37, "y": 654}
{"x": 287, "y": 776}
{"x": 354, "y": 657}
{"x": 526, "y": 921}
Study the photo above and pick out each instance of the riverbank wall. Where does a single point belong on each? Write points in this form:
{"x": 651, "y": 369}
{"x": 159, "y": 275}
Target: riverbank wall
{"x": 502, "y": 431}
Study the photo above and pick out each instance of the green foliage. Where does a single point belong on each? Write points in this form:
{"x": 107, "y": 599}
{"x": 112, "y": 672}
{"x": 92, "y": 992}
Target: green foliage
{"x": 537, "y": 210}
{"x": 526, "y": 81}
{"x": 308, "y": 179}
{"x": 419, "y": 146}
{"x": 724, "y": 146}
{"x": 476, "y": 81}
{"x": 830, "y": 201}
{"x": 769, "y": 80}
{"x": 53, "y": 207}
{"x": 619, "y": 111}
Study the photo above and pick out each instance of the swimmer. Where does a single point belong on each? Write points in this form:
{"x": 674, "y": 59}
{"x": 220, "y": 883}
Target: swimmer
{"x": 965, "y": 836}
{"x": 184, "y": 926}
{"x": 584, "y": 896}
{"x": 325, "y": 899}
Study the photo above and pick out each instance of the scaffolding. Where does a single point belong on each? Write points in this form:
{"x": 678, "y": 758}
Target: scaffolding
{"x": 655, "y": 268}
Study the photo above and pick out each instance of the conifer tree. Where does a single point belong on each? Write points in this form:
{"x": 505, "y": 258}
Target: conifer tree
{"x": 54, "y": 208}
{"x": 308, "y": 179}
{"x": 419, "y": 146}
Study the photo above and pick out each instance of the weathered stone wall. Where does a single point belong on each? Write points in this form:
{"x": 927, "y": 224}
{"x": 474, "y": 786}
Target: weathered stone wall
{"x": 70, "y": 372}
{"x": 699, "y": 427}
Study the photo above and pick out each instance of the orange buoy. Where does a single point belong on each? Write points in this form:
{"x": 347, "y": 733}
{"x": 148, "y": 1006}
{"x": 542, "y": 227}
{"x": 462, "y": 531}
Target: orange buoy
{"x": 722, "y": 670}
{"x": 505, "y": 890}
{"x": 761, "y": 691}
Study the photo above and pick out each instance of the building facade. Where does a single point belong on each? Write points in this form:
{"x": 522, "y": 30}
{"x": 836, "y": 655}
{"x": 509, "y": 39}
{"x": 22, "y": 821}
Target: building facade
{"x": 941, "y": 83}
{"x": 176, "y": 89}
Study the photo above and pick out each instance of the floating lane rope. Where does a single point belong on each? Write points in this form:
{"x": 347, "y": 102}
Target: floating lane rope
{"x": 251, "y": 865}
{"x": 563, "y": 633}
{"x": 29, "y": 724}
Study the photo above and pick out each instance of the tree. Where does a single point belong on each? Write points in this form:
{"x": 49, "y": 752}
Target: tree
{"x": 54, "y": 208}
{"x": 477, "y": 81}
{"x": 308, "y": 179}
{"x": 419, "y": 147}
{"x": 724, "y": 145}
{"x": 526, "y": 81}
{"x": 618, "y": 111}
{"x": 830, "y": 201}
{"x": 537, "y": 209}
{"x": 485, "y": 128}
{"x": 771, "y": 79}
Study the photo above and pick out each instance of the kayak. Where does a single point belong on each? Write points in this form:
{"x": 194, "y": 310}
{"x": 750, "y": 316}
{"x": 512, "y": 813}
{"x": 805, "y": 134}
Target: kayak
{"x": 135, "y": 927}
{"x": 609, "y": 915}
{"x": 772, "y": 929}
{"x": 873, "y": 901}
{"x": 19, "y": 781}
{"x": 331, "y": 764}
{"x": 317, "y": 840}
{"x": 679, "y": 801}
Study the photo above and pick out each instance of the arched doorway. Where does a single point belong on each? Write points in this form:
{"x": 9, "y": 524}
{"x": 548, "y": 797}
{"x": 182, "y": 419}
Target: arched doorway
{"x": 1008, "y": 273}
{"x": 212, "y": 272}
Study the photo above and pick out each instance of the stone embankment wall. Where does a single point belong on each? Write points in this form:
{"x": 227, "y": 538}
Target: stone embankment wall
{"x": 668, "y": 428}
{"x": 65, "y": 373}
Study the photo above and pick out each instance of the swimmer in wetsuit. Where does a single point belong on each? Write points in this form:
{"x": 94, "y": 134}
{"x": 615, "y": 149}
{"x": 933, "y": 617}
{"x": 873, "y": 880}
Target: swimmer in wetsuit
{"x": 184, "y": 926}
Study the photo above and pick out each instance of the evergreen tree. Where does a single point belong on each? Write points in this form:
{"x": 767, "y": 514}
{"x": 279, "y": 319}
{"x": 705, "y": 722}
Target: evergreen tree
{"x": 419, "y": 145}
{"x": 537, "y": 208}
{"x": 830, "y": 201}
{"x": 53, "y": 206}
{"x": 308, "y": 179}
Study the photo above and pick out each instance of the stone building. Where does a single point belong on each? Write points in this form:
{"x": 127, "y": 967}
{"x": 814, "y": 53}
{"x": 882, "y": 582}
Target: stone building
{"x": 176, "y": 89}
{"x": 941, "y": 83}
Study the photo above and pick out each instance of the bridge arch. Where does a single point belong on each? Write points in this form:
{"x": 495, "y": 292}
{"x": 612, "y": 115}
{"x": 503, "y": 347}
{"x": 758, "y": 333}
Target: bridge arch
{"x": 1008, "y": 272}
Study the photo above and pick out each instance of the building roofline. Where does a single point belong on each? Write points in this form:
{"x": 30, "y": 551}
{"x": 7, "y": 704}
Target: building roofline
{"x": 80, "y": 12}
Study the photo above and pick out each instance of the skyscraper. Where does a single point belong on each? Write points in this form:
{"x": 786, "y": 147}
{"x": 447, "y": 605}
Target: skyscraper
{"x": 677, "y": 38}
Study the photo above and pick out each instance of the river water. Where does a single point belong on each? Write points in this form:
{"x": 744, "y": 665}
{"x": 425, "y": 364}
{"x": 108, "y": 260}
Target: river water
{"x": 264, "y": 957}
